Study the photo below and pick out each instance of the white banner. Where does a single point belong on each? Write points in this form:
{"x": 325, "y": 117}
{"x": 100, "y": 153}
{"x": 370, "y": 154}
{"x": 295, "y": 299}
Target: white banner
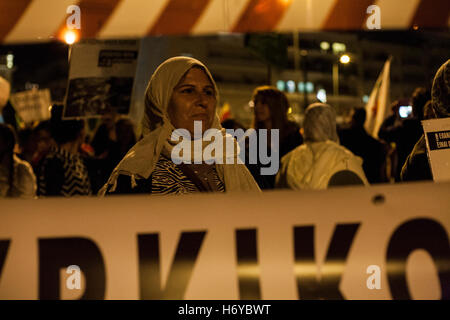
{"x": 381, "y": 242}
{"x": 437, "y": 135}
{"x": 32, "y": 105}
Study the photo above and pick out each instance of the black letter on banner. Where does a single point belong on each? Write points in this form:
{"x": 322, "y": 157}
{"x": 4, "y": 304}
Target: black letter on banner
{"x": 4, "y": 245}
{"x": 247, "y": 265}
{"x": 424, "y": 234}
{"x": 57, "y": 253}
{"x": 308, "y": 284}
{"x": 183, "y": 263}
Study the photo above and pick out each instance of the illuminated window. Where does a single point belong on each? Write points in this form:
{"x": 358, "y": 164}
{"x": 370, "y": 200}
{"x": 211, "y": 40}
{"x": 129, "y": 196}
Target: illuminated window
{"x": 338, "y": 47}
{"x": 290, "y": 86}
{"x": 280, "y": 85}
{"x": 322, "y": 95}
{"x": 324, "y": 45}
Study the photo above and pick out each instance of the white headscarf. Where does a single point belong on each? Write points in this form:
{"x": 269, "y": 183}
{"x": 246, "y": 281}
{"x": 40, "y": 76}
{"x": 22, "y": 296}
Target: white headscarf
{"x": 320, "y": 123}
{"x": 311, "y": 165}
{"x": 141, "y": 160}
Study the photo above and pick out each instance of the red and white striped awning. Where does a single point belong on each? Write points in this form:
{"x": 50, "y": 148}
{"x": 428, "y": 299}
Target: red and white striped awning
{"x": 42, "y": 20}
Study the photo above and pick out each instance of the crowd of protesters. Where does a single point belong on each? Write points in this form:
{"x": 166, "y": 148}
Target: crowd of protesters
{"x": 57, "y": 158}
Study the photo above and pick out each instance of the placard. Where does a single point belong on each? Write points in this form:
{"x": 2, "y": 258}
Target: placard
{"x": 101, "y": 78}
{"x": 32, "y": 105}
{"x": 437, "y": 135}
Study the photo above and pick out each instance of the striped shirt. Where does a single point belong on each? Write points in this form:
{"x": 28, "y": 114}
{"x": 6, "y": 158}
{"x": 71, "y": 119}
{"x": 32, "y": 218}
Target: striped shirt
{"x": 168, "y": 178}
{"x": 63, "y": 174}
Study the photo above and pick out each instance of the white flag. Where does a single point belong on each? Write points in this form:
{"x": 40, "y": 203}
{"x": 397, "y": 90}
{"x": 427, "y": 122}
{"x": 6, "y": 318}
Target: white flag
{"x": 377, "y": 107}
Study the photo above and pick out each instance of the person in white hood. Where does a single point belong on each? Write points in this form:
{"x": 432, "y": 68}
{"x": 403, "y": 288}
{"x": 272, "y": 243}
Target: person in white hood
{"x": 313, "y": 164}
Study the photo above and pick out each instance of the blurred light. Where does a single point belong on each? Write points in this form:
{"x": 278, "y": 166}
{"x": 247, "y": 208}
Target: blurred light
{"x": 365, "y": 98}
{"x": 301, "y": 87}
{"x": 70, "y": 37}
{"x": 322, "y": 95}
{"x": 338, "y": 47}
{"x": 303, "y": 52}
{"x": 405, "y": 111}
{"x": 290, "y": 86}
{"x": 344, "y": 59}
{"x": 251, "y": 104}
{"x": 324, "y": 45}
{"x": 280, "y": 85}
{"x": 309, "y": 87}
{"x": 289, "y": 110}
{"x": 415, "y": 27}
{"x": 9, "y": 61}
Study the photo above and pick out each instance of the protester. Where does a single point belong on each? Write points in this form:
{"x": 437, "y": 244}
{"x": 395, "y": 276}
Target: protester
{"x": 405, "y": 132}
{"x": 373, "y": 152}
{"x": 27, "y": 146}
{"x": 111, "y": 143}
{"x": 16, "y": 176}
{"x": 63, "y": 171}
{"x": 270, "y": 113}
{"x": 232, "y": 124}
{"x": 428, "y": 112}
{"x": 417, "y": 166}
{"x": 313, "y": 164}
{"x": 42, "y": 137}
{"x": 180, "y": 92}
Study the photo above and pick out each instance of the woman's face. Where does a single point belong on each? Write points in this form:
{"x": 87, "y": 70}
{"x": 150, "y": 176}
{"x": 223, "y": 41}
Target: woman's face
{"x": 262, "y": 111}
{"x": 193, "y": 99}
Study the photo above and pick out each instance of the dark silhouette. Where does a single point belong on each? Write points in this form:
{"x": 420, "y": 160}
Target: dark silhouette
{"x": 373, "y": 152}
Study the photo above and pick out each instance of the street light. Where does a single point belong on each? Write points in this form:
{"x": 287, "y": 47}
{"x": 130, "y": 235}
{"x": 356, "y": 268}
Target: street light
{"x": 70, "y": 37}
{"x": 344, "y": 59}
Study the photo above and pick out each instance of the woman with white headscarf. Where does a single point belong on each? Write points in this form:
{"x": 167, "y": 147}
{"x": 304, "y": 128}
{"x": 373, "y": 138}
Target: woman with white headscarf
{"x": 180, "y": 92}
{"x": 313, "y": 164}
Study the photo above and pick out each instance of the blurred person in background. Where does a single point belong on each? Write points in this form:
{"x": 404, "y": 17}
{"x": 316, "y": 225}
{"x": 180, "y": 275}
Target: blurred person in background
{"x": 7, "y": 112}
{"x": 125, "y": 138}
{"x": 428, "y": 111}
{"x": 27, "y": 145}
{"x": 16, "y": 176}
{"x": 405, "y": 132}
{"x": 314, "y": 164}
{"x": 270, "y": 112}
{"x": 63, "y": 171}
{"x": 232, "y": 124}
{"x": 42, "y": 137}
{"x": 111, "y": 143}
{"x": 416, "y": 166}
{"x": 373, "y": 152}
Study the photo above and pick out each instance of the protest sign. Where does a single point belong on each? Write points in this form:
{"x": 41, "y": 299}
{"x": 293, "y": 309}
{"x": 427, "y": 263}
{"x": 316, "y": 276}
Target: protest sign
{"x": 101, "y": 78}
{"x": 32, "y": 105}
{"x": 437, "y": 135}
